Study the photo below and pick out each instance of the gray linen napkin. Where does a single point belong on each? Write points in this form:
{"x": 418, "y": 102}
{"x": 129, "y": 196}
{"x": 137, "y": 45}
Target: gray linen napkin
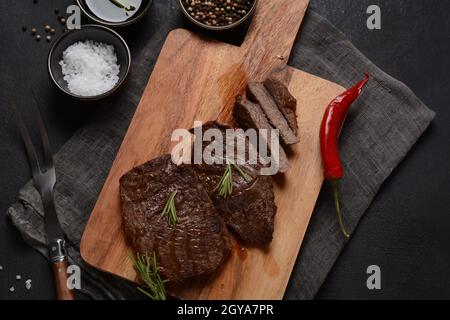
{"x": 382, "y": 127}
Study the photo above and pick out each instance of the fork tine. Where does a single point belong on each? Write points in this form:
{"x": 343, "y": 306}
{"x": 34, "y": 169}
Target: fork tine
{"x": 43, "y": 132}
{"x": 32, "y": 157}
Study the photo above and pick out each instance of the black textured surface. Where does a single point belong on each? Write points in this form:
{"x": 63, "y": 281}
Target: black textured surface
{"x": 405, "y": 231}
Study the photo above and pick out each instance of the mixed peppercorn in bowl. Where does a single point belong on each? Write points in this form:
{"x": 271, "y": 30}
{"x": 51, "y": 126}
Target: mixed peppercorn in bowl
{"x": 218, "y": 14}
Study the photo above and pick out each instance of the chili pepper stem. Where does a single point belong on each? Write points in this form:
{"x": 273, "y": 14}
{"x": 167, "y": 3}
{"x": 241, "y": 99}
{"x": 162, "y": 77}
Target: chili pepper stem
{"x": 335, "y": 190}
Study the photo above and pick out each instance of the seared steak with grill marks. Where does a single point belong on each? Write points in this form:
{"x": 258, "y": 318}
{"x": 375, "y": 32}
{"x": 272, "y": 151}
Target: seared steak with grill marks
{"x": 198, "y": 244}
{"x": 284, "y": 100}
{"x": 250, "y": 115}
{"x": 257, "y": 93}
{"x": 250, "y": 210}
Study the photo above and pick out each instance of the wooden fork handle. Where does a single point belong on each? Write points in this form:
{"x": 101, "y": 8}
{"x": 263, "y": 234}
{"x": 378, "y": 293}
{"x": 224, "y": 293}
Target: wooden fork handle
{"x": 60, "y": 275}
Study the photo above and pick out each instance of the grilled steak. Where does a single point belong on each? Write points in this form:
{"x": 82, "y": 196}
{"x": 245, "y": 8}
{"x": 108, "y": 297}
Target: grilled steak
{"x": 250, "y": 115}
{"x": 257, "y": 93}
{"x": 198, "y": 244}
{"x": 250, "y": 210}
{"x": 284, "y": 100}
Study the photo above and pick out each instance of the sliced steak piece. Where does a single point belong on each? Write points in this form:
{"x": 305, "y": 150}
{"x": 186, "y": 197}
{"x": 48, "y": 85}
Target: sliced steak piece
{"x": 198, "y": 244}
{"x": 257, "y": 93}
{"x": 250, "y": 115}
{"x": 250, "y": 210}
{"x": 284, "y": 100}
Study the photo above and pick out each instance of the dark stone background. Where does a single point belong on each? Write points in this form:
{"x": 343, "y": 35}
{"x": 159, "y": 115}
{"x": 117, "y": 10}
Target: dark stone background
{"x": 407, "y": 229}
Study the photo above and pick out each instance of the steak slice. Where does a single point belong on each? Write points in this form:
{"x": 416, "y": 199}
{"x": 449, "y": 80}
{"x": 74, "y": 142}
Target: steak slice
{"x": 250, "y": 115}
{"x": 257, "y": 93}
{"x": 250, "y": 210}
{"x": 284, "y": 100}
{"x": 198, "y": 244}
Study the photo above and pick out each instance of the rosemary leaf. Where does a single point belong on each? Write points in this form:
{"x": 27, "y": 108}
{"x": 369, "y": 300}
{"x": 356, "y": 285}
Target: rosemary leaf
{"x": 170, "y": 211}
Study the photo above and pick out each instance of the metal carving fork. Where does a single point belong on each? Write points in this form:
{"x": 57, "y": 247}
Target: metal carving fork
{"x": 44, "y": 178}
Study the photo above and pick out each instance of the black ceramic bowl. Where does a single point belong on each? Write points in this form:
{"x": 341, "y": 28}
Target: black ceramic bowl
{"x": 95, "y": 33}
{"x": 220, "y": 28}
{"x": 142, "y": 10}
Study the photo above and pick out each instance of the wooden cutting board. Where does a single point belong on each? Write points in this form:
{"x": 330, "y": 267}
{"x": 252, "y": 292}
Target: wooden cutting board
{"x": 198, "y": 79}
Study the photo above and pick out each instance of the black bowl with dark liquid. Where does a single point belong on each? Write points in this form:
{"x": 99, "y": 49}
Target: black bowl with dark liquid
{"x": 88, "y": 32}
{"x": 111, "y": 15}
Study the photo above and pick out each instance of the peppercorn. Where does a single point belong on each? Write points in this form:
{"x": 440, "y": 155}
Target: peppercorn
{"x": 48, "y": 38}
{"x": 38, "y": 37}
{"x": 33, "y": 31}
{"x": 63, "y": 21}
{"x": 47, "y": 28}
{"x": 52, "y": 31}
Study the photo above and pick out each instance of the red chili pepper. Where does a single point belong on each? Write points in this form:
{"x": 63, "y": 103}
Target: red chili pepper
{"x": 330, "y": 130}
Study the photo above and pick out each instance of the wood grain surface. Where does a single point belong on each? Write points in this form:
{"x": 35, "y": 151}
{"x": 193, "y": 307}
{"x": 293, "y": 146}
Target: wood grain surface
{"x": 197, "y": 79}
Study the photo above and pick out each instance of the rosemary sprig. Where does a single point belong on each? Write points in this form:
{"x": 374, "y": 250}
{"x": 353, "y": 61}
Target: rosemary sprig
{"x": 147, "y": 270}
{"x": 170, "y": 211}
{"x": 122, "y": 6}
{"x": 225, "y": 185}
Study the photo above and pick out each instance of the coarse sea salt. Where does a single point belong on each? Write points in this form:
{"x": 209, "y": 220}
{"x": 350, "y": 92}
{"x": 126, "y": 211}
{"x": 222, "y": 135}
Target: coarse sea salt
{"x": 28, "y": 284}
{"x": 90, "y": 68}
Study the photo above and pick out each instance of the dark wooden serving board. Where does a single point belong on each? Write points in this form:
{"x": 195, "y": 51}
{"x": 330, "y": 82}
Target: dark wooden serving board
{"x": 198, "y": 79}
